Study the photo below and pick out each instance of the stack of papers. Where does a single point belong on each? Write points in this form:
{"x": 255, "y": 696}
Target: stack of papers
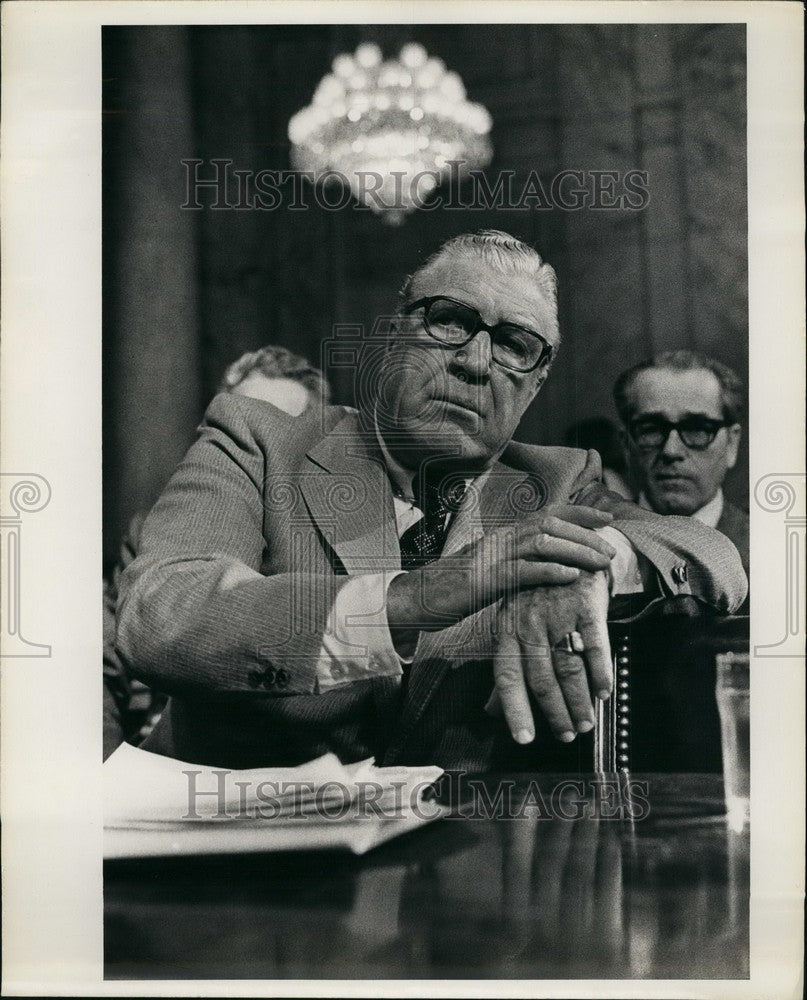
{"x": 156, "y": 805}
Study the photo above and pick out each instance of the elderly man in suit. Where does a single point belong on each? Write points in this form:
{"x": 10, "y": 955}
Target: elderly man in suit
{"x": 681, "y": 415}
{"x": 374, "y": 582}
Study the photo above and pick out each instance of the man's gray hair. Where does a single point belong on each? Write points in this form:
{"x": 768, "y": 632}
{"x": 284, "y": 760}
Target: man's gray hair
{"x": 732, "y": 394}
{"x": 501, "y": 251}
{"x": 277, "y": 362}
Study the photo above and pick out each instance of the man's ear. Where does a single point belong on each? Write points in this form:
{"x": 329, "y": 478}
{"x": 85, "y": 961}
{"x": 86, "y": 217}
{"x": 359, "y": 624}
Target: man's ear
{"x": 395, "y": 326}
{"x": 624, "y": 441}
{"x": 542, "y": 377}
{"x": 628, "y": 453}
{"x": 633, "y": 472}
{"x": 734, "y": 435}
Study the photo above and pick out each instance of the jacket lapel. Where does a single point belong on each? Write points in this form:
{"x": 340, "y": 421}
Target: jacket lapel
{"x": 348, "y": 495}
{"x": 349, "y": 498}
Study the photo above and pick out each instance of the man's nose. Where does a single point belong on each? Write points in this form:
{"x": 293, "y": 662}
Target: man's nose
{"x": 475, "y": 357}
{"x": 674, "y": 447}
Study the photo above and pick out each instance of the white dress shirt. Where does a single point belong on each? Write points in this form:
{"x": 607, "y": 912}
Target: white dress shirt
{"x": 710, "y": 513}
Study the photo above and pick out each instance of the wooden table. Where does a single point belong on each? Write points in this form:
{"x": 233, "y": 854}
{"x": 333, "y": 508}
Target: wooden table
{"x": 473, "y": 895}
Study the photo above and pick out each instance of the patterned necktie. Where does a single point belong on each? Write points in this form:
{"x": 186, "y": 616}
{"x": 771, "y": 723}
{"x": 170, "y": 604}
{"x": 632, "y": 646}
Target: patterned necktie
{"x": 423, "y": 542}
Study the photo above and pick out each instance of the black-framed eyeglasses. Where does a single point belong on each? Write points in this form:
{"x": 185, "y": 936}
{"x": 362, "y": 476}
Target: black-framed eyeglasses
{"x": 455, "y": 324}
{"x": 697, "y": 433}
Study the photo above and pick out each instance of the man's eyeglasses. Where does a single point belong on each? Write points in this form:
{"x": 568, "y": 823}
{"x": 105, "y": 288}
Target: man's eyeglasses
{"x": 697, "y": 433}
{"x": 455, "y": 324}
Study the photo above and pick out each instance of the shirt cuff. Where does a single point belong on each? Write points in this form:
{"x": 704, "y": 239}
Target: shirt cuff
{"x": 626, "y": 575}
{"x": 357, "y": 644}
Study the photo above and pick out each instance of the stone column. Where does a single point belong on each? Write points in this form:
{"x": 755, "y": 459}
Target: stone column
{"x": 20, "y": 494}
{"x": 786, "y": 493}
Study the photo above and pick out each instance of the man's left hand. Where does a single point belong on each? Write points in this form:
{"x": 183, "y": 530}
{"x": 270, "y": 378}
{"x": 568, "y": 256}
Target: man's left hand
{"x": 532, "y": 658}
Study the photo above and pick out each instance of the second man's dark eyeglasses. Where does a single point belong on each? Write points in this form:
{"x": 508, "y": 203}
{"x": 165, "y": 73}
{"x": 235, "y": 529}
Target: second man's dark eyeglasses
{"x": 697, "y": 433}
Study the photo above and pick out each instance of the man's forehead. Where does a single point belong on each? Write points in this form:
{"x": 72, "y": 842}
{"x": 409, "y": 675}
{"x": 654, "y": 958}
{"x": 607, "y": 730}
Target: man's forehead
{"x": 676, "y": 393}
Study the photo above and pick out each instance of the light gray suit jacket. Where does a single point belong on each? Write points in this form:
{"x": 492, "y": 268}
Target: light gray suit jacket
{"x": 264, "y": 521}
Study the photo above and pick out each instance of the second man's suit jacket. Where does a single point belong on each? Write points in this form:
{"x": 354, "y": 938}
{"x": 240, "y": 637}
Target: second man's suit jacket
{"x": 734, "y": 524}
{"x": 242, "y": 556}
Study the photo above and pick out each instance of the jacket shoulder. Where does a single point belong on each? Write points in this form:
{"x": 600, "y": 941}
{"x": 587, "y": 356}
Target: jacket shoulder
{"x": 555, "y": 464}
{"x": 269, "y": 427}
{"x": 534, "y": 457}
{"x": 734, "y": 517}
{"x": 735, "y": 524}
{"x": 563, "y": 472}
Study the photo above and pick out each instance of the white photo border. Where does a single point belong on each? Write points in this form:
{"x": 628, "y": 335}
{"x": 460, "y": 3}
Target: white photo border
{"x": 51, "y": 399}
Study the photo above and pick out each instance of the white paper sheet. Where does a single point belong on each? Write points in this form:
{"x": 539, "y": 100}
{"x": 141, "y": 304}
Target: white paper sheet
{"x": 156, "y": 805}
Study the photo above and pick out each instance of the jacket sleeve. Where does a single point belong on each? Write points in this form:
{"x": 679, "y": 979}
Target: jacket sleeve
{"x": 195, "y": 613}
{"x": 690, "y": 559}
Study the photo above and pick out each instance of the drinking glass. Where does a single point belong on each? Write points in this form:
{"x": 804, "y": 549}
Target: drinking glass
{"x": 733, "y": 706}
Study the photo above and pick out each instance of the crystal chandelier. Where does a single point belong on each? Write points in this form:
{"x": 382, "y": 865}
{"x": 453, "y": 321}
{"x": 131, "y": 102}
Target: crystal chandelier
{"x": 393, "y": 129}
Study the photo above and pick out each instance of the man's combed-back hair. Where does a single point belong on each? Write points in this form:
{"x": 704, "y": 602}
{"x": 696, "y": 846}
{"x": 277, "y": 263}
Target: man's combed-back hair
{"x": 277, "y": 362}
{"x": 500, "y": 250}
{"x": 732, "y": 394}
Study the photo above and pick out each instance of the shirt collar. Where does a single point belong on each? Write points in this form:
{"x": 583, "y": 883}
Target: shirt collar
{"x": 709, "y": 514}
{"x": 402, "y": 479}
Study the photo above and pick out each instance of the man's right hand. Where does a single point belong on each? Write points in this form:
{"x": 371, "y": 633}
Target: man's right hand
{"x": 550, "y": 548}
